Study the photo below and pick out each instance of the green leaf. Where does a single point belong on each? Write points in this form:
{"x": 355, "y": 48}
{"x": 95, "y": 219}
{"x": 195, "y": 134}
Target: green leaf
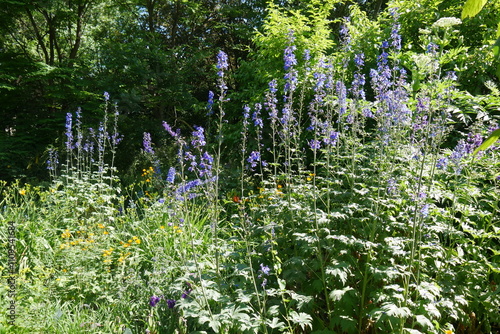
{"x": 302, "y": 319}
{"x": 472, "y": 7}
{"x": 488, "y": 142}
{"x": 423, "y": 321}
{"x": 496, "y": 48}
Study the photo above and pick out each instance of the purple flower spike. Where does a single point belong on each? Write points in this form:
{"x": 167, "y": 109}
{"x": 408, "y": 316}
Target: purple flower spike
{"x": 147, "y": 143}
{"x": 222, "y": 63}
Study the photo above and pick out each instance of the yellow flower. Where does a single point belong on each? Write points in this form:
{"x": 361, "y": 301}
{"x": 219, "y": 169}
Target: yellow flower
{"x": 162, "y": 227}
{"x": 105, "y": 232}
{"x": 107, "y": 252}
{"x": 66, "y": 234}
{"x": 22, "y": 192}
{"x": 448, "y": 331}
{"x": 136, "y": 240}
{"x": 101, "y": 226}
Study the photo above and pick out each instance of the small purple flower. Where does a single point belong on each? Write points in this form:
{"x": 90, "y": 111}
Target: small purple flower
{"x": 265, "y": 269}
{"x": 189, "y": 186}
{"x": 391, "y": 186}
{"x": 186, "y": 293}
{"x": 331, "y": 138}
{"x": 432, "y": 48}
{"x": 424, "y": 212}
{"x": 207, "y": 157}
{"x": 307, "y": 55}
{"x": 253, "y": 158}
{"x": 154, "y": 300}
{"x": 273, "y": 86}
{"x": 168, "y": 128}
{"x": 257, "y": 121}
{"x": 442, "y": 163}
{"x": 171, "y": 175}
{"x": 106, "y": 96}
{"x": 315, "y": 144}
{"x": 170, "y": 303}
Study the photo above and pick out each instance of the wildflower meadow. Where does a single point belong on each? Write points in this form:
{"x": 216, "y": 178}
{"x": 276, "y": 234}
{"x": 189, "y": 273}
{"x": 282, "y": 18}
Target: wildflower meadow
{"x": 351, "y": 195}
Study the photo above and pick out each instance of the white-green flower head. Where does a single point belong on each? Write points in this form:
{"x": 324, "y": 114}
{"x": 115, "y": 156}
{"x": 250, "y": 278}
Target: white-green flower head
{"x": 446, "y": 22}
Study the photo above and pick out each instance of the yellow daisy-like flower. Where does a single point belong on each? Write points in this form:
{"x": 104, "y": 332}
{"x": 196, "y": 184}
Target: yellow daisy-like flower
{"x": 162, "y": 227}
{"x": 66, "y": 234}
{"x": 105, "y": 232}
{"x": 101, "y": 226}
{"x": 136, "y": 240}
{"x": 22, "y": 192}
{"x": 448, "y": 331}
{"x": 107, "y": 252}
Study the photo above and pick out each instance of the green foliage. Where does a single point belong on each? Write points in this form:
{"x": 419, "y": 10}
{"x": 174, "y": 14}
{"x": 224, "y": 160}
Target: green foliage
{"x": 342, "y": 213}
{"x": 472, "y": 8}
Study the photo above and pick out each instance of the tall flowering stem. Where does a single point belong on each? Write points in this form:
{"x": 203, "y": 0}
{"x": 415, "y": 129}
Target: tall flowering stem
{"x": 222, "y": 66}
{"x": 272, "y": 109}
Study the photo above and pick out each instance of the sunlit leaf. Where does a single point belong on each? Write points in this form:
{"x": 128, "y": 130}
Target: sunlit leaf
{"x": 472, "y": 7}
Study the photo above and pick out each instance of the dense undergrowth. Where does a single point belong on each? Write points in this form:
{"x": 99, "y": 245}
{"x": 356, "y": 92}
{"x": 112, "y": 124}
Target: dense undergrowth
{"x": 343, "y": 215}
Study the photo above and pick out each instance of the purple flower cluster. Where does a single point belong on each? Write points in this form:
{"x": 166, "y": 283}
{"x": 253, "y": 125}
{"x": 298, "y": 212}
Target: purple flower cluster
{"x": 254, "y": 158}
{"x": 358, "y": 83}
{"x": 171, "y": 175}
{"x": 198, "y": 140}
{"x": 210, "y": 103}
{"x": 222, "y": 63}
{"x": 69, "y": 131}
{"x": 147, "y": 143}
{"x": 168, "y": 128}
{"x": 52, "y": 161}
{"x": 154, "y": 300}
{"x": 271, "y": 101}
{"x": 187, "y": 188}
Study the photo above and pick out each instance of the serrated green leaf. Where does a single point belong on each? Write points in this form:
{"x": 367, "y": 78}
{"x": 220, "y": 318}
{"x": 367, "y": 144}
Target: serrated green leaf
{"x": 302, "y": 319}
{"x": 488, "y": 142}
{"x": 472, "y": 7}
{"x": 338, "y": 294}
{"x": 423, "y": 321}
{"x": 393, "y": 310}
